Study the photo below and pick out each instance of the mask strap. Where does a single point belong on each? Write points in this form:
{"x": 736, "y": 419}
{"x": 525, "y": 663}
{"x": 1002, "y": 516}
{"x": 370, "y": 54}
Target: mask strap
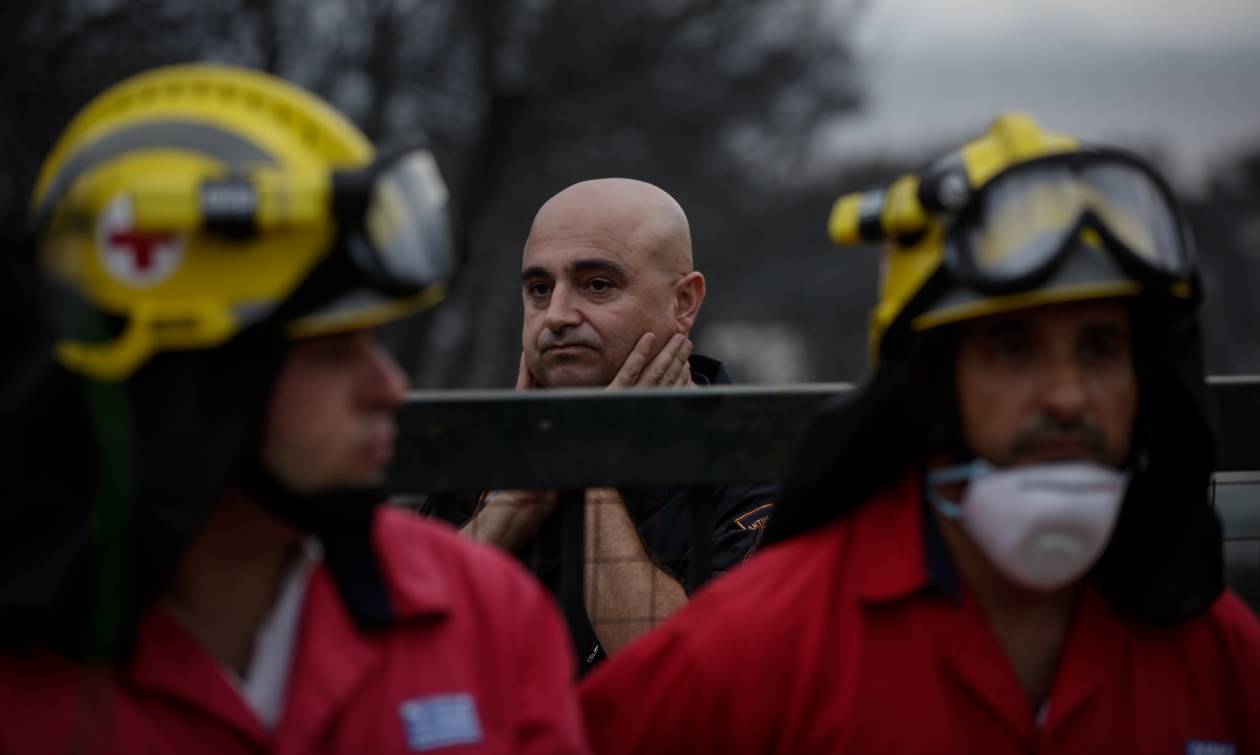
{"x": 958, "y": 473}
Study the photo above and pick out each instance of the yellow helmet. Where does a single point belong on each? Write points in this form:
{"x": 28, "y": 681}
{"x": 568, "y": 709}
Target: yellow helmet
{"x": 1016, "y": 218}
{"x": 191, "y": 202}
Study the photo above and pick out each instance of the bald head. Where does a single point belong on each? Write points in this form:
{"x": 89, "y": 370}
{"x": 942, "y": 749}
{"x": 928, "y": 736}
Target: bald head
{"x": 637, "y": 216}
{"x": 606, "y": 261}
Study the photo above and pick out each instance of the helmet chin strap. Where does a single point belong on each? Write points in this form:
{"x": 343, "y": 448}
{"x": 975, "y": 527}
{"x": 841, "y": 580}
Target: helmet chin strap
{"x": 342, "y": 520}
{"x": 336, "y": 512}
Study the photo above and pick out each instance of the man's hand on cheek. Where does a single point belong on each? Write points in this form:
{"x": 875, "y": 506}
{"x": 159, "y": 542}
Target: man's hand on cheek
{"x": 668, "y": 368}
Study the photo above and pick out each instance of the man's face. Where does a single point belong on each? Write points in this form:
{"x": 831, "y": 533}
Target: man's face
{"x": 588, "y": 298}
{"x": 1048, "y": 384}
{"x": 330, "y": 421}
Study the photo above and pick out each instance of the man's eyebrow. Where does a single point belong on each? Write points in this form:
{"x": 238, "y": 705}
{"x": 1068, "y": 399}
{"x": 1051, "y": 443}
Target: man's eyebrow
{"x": 578, "y": 266}
{"x": 535, "y": 271}
{"x": 598, "y": 266}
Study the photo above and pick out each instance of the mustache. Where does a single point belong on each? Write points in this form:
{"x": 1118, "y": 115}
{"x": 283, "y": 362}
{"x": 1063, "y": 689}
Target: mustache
{"x": 555, "y": 340}
{"x": 1049, "y": 430}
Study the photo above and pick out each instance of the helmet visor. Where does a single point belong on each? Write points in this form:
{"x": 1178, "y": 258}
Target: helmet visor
{"x": 405, "y": 224}
{"x": 1022, "y": 222}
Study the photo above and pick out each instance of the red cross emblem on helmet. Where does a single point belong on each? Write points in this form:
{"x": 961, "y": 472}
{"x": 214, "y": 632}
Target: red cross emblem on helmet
{"x": 134, "y": 257}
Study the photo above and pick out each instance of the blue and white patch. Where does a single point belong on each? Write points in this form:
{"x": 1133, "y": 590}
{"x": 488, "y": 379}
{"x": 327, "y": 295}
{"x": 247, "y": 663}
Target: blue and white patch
{"x": 1204, "y": 747}
{"x": 440, "y": 721}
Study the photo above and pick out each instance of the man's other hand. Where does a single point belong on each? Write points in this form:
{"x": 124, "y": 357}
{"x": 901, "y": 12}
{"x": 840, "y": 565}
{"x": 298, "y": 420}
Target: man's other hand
{"x": 511, "y": 518}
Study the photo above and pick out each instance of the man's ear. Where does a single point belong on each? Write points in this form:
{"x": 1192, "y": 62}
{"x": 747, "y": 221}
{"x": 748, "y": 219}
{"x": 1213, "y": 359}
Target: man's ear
{"x": 688, "y": 295}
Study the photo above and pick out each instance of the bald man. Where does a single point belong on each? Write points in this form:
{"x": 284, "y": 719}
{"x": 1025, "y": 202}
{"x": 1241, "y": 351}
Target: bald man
{"x": 610, "y": 295}
{"x": 607, "y": 281}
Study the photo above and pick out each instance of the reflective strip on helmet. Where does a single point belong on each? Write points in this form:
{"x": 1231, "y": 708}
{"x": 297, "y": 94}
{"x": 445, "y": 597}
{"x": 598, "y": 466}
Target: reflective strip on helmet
{"x": 221, "y": 144}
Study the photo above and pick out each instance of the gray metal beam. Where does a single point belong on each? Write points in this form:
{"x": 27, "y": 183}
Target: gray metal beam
{"x": 474, "y": 440}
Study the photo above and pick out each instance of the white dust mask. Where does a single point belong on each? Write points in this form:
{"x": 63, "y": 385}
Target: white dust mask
{"x": 1042, "y": 525}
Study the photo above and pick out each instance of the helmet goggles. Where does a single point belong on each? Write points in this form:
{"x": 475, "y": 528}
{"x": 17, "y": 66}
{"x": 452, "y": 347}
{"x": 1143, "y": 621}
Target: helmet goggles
{"x": 1016, "y": 218}
{"x": 1016, "y": 229}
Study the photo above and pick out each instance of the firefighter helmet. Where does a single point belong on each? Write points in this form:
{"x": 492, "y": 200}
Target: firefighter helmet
{"x": 192, "y": 202}
{"x": 1017, "y": 218}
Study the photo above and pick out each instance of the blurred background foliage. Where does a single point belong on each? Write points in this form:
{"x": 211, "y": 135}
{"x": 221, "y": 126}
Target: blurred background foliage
{"x": 733, "y": 106}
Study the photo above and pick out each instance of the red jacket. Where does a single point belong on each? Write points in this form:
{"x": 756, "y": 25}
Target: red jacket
{"x": 478, "y": 661}
{"x": 839, "y": 641}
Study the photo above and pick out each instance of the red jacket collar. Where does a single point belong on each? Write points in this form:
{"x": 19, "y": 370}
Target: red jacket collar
{"x": 896, "y": 548}
{"x": 417, "y": 579}
{"x": 170, "y": 661}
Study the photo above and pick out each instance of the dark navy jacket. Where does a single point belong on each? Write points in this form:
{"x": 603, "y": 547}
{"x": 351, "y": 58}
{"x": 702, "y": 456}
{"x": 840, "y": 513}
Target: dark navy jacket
{"x": 661, "y": 515}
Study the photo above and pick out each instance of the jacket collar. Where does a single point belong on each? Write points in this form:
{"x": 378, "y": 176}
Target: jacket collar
{"x": 332, "y": 654}
{"x": 707, "y": 371}
{"x": 416, "y": 577}
{"x": 170, "y": 662}
{"x": 897, "y": 545}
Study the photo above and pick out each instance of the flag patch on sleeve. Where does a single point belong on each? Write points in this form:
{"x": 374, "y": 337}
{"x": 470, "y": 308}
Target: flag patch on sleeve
{"x": 1204, "y": 747}
{"x": 440, "y": 721}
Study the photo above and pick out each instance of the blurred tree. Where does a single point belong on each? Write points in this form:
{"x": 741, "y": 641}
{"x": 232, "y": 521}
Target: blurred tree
{"x": 715, "y": 100}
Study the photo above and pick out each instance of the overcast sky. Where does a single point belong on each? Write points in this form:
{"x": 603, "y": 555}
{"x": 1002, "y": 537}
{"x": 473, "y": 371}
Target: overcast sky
{"x": 1178, "y": 75}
